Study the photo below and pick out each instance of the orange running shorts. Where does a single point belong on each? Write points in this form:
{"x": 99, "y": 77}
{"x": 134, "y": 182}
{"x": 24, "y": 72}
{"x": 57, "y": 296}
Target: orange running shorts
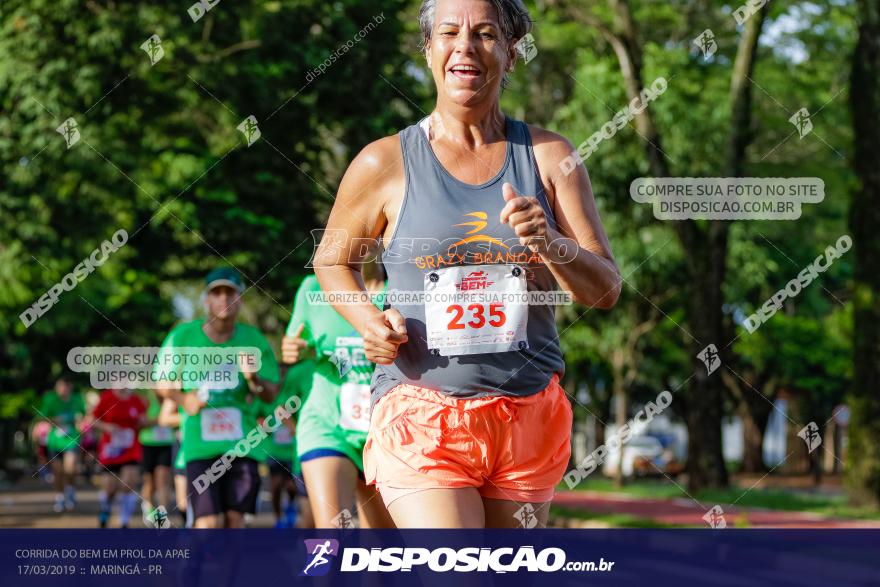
{"x": 513, "y": 448}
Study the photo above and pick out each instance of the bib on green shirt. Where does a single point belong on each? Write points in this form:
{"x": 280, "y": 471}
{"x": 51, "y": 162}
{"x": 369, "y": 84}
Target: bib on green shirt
{"x": 64, "y": 435}
{"x": 229, "y": 414}
{"x": 280, "y": 444}
{"x": 154, "y": 435}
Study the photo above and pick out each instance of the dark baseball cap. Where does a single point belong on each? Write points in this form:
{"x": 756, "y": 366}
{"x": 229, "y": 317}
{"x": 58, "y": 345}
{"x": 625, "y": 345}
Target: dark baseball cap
{"x": 224, "y": 276}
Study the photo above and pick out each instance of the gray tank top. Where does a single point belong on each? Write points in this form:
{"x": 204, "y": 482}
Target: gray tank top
{"x": 433, "y": 204}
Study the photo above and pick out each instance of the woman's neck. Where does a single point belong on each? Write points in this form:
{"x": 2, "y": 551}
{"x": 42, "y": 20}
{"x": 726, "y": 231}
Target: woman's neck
{"x": 470, "y": 128}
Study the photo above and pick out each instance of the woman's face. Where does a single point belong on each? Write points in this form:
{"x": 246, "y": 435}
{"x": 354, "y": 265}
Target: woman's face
{"x": 467, "y": 53}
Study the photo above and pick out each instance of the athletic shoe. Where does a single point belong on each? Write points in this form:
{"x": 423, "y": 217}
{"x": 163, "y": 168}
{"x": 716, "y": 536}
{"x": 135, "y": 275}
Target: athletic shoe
{"x": 103, "y": 518}
{"x": 147, "y": 513}
{"x": 69, "y": 498}
{"x": 59, "y": 504}
{"x": 290, "y": 515}
{"x": 282, "y": 524}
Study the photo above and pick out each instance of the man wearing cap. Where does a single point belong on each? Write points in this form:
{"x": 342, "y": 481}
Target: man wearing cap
{"x": 218, "y": 404}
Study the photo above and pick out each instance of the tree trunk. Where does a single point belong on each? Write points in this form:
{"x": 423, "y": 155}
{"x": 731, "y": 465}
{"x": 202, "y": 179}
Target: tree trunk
{"x": 754, "y": 416}
{"x": 705, "y": 463}
{"x": 863, "y": 463}
{"x": 706, "y": 249}
{"x": 621, "y": 405}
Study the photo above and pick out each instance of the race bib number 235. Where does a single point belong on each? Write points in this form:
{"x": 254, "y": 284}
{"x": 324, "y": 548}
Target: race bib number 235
{"x": 476, "y": 309}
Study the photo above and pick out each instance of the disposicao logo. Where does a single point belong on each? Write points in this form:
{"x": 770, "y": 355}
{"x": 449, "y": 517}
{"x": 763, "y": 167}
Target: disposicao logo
{"x": 318, "y": 553}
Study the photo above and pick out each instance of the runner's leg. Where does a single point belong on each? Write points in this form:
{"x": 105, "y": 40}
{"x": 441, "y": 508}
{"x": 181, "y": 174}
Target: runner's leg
{"x": 330, "y": 482}
{"x": 148, "y": 490}
{"x": 502, "y": 513}
{"x": 304, "y": 518}
{"x": 161, "y": 484}
{"x": 58, "y": 481}
{"x": 239, "y": 491}
{"x": 180, "y": 488}
{"x": 206, "y": 501}
{"x": 70, "y": 462}
{"x": 106, "y": 497}
{"x": 207, "y": 522}
{"x": 276, "y": 481}
{"x": 460, "y": 507}
{"x": 234, "y": 519}
{"x": 128, "y": 500}
{"x": 371, "y": 508}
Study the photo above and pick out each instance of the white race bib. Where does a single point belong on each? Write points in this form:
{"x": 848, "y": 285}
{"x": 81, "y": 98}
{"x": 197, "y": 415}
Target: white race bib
{"x": 161, "y": 433}
{"x": 121, "y": 439}
{"x": 221, "y": 424}
{"x": 282, "y": 435}
{"x": 473, "y": 309}
{"x": 354, "y": 406}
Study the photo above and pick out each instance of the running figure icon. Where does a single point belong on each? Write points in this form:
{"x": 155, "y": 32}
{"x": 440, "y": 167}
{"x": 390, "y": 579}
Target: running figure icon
{"x": 319, "y": 551}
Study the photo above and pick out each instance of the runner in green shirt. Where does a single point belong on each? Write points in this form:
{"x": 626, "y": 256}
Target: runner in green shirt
{"x": 157, "y": 442}
{"x": 333, "y": 423}
{"x": 64, "y": 408}
{"x": 218, "y": 402}
{"x": 169, "y": 416}
{"x": 279, "y": 448}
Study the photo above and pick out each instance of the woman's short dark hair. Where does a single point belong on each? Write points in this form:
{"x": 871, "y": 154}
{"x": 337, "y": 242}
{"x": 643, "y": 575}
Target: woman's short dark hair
{"x": 512, "y": 14}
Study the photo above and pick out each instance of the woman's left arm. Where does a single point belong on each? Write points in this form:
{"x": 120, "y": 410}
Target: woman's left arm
{"x": 590, "y": 273}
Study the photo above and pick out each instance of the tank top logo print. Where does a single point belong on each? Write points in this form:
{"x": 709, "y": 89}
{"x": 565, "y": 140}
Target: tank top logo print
{"x": 475, "y": 248}
{"x": 478, "y": 226}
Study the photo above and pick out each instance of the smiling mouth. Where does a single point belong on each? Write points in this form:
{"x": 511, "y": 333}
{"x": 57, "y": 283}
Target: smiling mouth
{"x": 464, "y": 71}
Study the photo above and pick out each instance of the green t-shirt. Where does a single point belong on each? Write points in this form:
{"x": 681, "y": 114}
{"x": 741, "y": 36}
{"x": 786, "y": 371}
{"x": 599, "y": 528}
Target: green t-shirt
{"x": 229, "y": 414}
{"x": 281, "y": 444}
{"x": 338, "y": 346}
{"x": 64, "y": 435}
{"x": 155, "y": 435}
{"x": 340, "y": 362}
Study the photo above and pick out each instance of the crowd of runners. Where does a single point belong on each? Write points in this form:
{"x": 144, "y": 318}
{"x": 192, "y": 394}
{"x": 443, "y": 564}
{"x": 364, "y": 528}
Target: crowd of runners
{"x": 411, "y": 414}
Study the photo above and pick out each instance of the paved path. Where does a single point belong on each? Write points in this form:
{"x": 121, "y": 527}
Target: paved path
{"x": 29, "y": 505}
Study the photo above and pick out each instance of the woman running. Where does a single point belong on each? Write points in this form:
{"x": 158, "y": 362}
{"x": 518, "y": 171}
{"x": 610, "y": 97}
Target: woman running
{"x": 157, "y": 442}
{"x": 40, "y": 438}
{"x": 119, "y": 414}
{"x": 169, "y": 416}
{"x": 279, "y": 448}
{"x": 470, "y": 427}
{"x": 63, "y": 407}
{"x": 332, "y": 424}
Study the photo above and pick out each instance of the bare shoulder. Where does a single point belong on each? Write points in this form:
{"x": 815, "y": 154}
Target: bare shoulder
{"x": 551, "y": 149}
{"x": 374, "y": 184}
{"x": 381, "y": 156}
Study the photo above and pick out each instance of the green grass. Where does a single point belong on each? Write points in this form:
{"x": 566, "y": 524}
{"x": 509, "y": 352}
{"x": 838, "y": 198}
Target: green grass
{"x": 613, "y": 520}
{"x": 774, "y": 499}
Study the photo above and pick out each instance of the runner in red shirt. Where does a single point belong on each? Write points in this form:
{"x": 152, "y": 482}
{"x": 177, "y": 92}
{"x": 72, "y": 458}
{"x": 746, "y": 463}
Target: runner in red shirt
{"x": 119, "y": 415}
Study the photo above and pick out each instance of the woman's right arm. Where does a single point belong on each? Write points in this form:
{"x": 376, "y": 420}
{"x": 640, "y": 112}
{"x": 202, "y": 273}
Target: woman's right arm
{"x": 372, "y": 184}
